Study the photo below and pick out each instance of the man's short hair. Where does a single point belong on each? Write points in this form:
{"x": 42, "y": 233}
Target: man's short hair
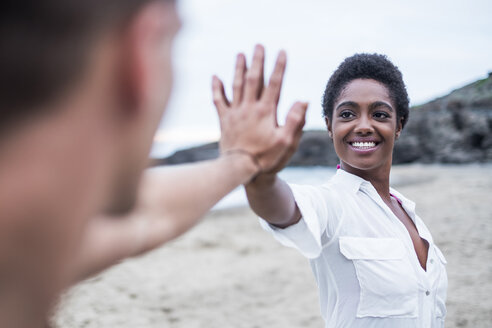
{"x": 45, "y": 46}
{"x": 367, "y": 66}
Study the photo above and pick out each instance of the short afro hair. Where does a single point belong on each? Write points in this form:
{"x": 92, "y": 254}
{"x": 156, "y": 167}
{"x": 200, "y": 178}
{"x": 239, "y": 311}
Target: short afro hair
{"x": 367, "y": 66}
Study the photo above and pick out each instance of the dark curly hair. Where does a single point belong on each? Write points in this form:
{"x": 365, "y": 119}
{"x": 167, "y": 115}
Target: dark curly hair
{"x": 367, "y": 66}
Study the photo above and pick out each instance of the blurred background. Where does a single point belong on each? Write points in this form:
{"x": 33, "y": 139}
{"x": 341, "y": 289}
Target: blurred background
{"x": 438, "y": 45}
{"x": 227, "y": 272}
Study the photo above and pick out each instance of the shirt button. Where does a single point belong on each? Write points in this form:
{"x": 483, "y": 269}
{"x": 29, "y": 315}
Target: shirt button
{"x": 431, "y": 261}
{"x": 427, "y": 293}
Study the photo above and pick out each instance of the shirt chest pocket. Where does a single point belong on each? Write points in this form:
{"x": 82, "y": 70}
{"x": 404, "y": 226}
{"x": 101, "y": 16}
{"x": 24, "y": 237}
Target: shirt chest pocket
{"x": 388, "y": 284}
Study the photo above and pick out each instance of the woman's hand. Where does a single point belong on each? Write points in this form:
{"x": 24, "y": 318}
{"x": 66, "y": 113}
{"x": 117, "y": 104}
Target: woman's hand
{"x": 248, "y": 123}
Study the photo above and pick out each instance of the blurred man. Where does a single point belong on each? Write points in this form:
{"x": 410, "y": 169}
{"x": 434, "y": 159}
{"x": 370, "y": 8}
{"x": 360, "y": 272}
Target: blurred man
{"x": 83, "y": 86}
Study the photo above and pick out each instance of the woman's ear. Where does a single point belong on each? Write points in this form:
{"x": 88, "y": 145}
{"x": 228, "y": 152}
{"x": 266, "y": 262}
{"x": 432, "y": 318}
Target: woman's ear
{"x": 328, "y": 126}
{"x": 399, "y": 128}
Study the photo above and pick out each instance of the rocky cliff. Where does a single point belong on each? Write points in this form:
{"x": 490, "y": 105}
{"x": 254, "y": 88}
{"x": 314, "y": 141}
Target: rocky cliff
{"x": 456, "y": 128}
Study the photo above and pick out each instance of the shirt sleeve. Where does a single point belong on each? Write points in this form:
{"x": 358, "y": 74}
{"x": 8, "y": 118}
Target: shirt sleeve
{"x": 305, "y": 236}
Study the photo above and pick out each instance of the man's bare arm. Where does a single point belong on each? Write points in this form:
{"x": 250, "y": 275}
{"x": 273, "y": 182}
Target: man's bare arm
{"x": 174, "y": 199}
{"x": 171, "y": 201}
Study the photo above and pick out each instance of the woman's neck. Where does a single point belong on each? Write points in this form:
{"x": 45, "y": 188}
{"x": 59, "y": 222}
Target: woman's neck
{"x": 378, "y": 177}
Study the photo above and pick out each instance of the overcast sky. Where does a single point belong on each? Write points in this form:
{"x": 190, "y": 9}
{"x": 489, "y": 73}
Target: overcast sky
{"x": 438, "y": 46}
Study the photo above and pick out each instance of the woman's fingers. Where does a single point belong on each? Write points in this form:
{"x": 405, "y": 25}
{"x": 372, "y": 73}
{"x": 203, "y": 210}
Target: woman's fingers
{"x": 272, "y": 91}
{"x": 288, "y": 139}
{"x": 219, "y": 97}
{"x": 238, "y": 84}
{"x": 254, "y": 76}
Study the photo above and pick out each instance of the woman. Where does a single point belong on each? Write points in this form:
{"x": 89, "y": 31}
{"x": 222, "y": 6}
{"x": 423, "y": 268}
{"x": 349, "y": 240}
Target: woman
{"x": 374, "y": 259}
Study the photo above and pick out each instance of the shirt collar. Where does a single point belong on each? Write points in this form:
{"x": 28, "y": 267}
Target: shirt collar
{"x": 353, "y": 183}
{"x": 348, "y": 180}
{"x": 406, "y": 203}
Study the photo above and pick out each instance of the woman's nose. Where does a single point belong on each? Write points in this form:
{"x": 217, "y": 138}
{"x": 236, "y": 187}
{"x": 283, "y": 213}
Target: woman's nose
{"x": 363, "y": 126}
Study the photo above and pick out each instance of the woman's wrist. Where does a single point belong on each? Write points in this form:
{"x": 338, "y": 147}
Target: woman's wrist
{"x": 262, "y": 180}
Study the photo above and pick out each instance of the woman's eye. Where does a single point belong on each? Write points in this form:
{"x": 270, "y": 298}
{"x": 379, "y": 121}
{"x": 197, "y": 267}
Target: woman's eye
{"x": 346, "y": 115}
{"x": 381, "y": 115}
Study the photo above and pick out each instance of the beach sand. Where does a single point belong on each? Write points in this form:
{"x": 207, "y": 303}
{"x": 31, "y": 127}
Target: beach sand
{"x": 228, "y": 272}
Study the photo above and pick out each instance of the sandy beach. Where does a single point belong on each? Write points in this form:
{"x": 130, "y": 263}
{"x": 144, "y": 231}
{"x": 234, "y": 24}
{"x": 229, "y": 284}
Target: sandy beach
{"x": 228, "y": 272}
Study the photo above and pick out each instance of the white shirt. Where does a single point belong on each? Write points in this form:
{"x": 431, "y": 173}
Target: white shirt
{"x": 363, "y": 258}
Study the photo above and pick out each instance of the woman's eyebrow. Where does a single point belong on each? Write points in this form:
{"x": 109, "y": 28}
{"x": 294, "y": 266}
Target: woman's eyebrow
{"x": 377, "y": 104}
{"x": 347, "y": 104}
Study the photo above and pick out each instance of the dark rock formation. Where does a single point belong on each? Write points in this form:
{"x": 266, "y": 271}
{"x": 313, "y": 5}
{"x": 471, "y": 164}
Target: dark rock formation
{"x": 190, "y": 155}
{"x": 456, "y": 128}
{"x": 315, "y": 148}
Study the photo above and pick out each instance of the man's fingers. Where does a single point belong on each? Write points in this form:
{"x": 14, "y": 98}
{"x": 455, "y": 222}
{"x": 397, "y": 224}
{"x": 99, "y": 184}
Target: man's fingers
{"x": 218, "y": 93}
{"x": 262, "y": 78}
{"x": 272, "y": 92}
{"x": 238, "y": 84}
{"x": 296, "y": 118}
{"x": 254, "y": 76}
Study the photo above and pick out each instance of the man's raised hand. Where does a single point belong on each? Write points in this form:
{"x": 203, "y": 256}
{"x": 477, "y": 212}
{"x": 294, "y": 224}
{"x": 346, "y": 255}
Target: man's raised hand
{"x": 249, "y": 122}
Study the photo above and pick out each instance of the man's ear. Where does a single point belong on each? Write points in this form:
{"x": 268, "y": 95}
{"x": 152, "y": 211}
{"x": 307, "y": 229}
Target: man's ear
{"x": 399, "y": 127}
{"x": 328, "y": 126}
{"x": 139, "y": 41}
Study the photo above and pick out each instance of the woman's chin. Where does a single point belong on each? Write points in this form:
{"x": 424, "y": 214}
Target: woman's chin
{"x": 365, "y": 164}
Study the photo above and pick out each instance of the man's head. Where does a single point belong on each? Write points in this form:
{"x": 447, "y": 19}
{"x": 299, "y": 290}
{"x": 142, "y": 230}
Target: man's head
{"x": 367, "y": 66}
{"x": 83, "y": 85}
{"x": 109, "y": 60}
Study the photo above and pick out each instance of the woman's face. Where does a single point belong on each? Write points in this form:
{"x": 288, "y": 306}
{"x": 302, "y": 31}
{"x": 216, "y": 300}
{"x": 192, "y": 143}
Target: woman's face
{"x": 363, "y": 126}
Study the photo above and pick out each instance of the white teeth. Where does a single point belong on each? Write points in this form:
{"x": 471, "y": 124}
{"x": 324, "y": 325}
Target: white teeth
{"x": 363, "y": 144}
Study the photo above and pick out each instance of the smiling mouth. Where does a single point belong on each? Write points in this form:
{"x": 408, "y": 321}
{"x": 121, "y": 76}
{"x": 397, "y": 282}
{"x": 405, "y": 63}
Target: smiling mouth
{"x": 364, "y": 145}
